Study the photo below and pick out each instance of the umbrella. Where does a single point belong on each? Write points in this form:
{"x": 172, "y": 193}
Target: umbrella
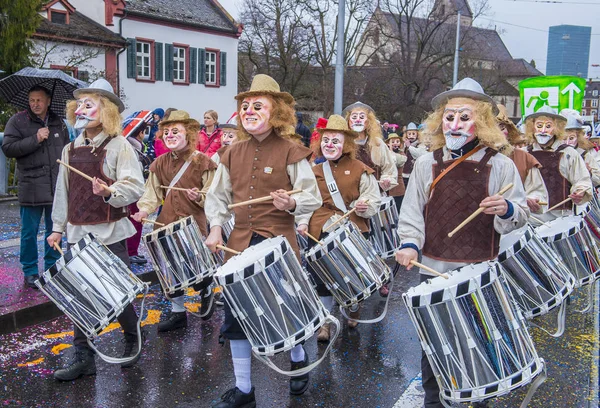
{"x": 14, "y": 89}
{"x": 136, "y": 122}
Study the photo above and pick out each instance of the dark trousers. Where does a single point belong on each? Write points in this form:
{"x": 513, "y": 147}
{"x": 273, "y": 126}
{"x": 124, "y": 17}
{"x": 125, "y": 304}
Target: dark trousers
{"x": 133, "y": 242}
{"x": 398, "y": 201}
{"x": 231, "y": 328}
{"x": 405, "y": 179}
{"x": 128, "y": 318}
{"x": 430, "y": 385}
{"x": 30, "y": 226}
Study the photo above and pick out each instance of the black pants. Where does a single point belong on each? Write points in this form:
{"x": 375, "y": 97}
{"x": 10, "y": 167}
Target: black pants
{"x": 231, "y": 328}
{"x": 398, "y": 201}
{"x": 430, "y": 385}
{"x": 128, "y": 318}
{"x": 405, "y": 179}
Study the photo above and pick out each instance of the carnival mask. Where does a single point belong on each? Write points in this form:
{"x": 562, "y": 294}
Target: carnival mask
{"x": 395, "y": 144}
{"x": 412, "y": 136}
{"x": 229, "y": 136}
{"x": 503, "y": 129}
{"x": 174, "y": 137}
{"x": 571, "y": 138}
{"x": 332, "y": 145}
{"x": 458, "y": 124}
{"x": 255, "y": 114}
{"x": 358, "y": 120}
{"x": 87, "y": 114}
{"x": 544, "y": 129}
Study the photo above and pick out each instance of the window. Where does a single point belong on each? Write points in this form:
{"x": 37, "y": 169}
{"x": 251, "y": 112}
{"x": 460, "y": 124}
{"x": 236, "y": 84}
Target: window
{"x": 595, "y": 92}
{"x": 583, "y": 103}
{"x": 211, "y": 68}
{"x": 71, "y": 71}
{"x": 594, "y": 103}
{"x": 143, "y": 59}
{"x": 179, "y": 64}
{"x": 58, "y": 17}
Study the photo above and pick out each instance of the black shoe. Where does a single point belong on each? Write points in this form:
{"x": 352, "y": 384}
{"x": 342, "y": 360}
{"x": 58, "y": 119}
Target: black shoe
{"x": 138, "y": 259}
{"x": 30, "y": 281}
{"x": 174, "y": 321}
{"x": 234, "y": 398}
{"x": 83, "y": 363}
{"x": 131, "y": 347}
{"x": 298, "y": 385}
{"x": 207, "y": 307}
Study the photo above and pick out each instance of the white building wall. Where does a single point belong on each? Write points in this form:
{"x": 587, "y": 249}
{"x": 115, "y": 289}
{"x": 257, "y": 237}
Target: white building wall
{"x": 46, "y": 53}
{"x": 194, "y": 98}
{"x": 93, "y": 9}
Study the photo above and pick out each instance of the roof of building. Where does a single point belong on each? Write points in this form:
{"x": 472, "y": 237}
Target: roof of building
{"x": 197, "y": 13}
{"x": 591, "y": 86}
{"x": 457, "y": 5}
{"x": 80, "y": 29}
{"x": 518, "y": 67}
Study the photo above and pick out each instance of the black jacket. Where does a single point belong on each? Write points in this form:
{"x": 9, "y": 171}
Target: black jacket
{"x": 36, "y": 162}
{"x": 305, "y": 132}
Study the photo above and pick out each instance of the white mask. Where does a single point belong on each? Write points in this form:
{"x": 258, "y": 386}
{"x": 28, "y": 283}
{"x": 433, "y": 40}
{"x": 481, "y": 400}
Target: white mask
{"x": 456, "y": 142}
{"x": 358, "y": 127}
{"x": 543, "y": 138}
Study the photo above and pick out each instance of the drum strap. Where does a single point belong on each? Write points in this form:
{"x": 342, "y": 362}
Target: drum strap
{"x": 181, "y": 171}
{"x": 333, "y": 188}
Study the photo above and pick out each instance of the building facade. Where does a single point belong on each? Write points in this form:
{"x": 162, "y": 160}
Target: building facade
{"x": 568, "y": 50}
{"x": 591, "y": 100}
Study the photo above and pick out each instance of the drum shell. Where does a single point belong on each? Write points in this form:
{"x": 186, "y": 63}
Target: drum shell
{"x": 91, "y": 285}
{"x": 384, "y": 229}
{"x": 179, "y": 256}
{"x": 271, "y": 296}
{"x": 348, "y": 265}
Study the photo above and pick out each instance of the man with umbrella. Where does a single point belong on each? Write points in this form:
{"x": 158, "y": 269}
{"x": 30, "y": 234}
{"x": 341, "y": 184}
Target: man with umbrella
{"x": 35, "y": 137}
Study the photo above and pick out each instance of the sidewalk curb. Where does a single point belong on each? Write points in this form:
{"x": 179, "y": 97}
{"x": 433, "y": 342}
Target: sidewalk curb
{"x": 9, "y": 198}
{"x": 29, "y": 316}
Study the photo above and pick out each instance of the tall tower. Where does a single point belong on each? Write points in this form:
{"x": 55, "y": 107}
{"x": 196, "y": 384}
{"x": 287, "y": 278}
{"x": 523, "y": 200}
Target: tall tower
{"x": 447, "y": 10}
{"x": 568, "y": 50}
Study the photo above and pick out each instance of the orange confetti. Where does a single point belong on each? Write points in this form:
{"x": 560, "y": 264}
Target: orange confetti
{"x": 60, "y": 347}
{"x": 152, "y": 318}
{"x": 58, "y": 335}
{"x": 32, "y": 363}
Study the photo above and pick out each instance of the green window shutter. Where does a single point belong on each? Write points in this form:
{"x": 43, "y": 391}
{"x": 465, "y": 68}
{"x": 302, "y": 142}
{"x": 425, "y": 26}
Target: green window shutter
{"x": 131, "y": 58}
{"x": 193, "y": 65}
{"x": 158, "y": 61}
{"x": 168, "y": 62}
{"x": 201, "y": 66}
{"x": 223, "y": 73}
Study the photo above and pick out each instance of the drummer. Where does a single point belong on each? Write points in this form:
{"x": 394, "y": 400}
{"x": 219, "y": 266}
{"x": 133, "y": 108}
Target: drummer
{"x": 182, "y": 167}
{"x": 262, "y": 163}
{"x": 528, "y": 166}
{"x": 413, "y": 149}
{"x": 344, "y": 183}
{"x": 82, "y": 207}
{"x": 394, "y": 142}
{"x": 577, "y": 140}
{"x": 563, "y": 169}
{"x": 371, "y": 148}
{"x": 463, "y": 129}
{"x": 228, "y": 137}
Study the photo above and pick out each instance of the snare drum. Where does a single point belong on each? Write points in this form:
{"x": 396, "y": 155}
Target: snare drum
{"x": 384, "y": 225}
{"x": 179, "y": 256}
{"x": 473, "y": 334}
{"x": 227, "y": 228}
{"x": 348, "y": 265}
{"x": 271, "y": 296}
{"x": 571, "y": 239}
{"x": 91, "y": 285}
{"x": 536, "y": 275}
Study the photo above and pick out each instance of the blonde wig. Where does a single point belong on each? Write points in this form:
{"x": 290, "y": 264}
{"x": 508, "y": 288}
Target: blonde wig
{"x": 214, "y": 116}
{"x": 283, "y": 116}
{"x": 192, "y": 127}
{"x": 486, "y": 127}
{"x": 349, "y": 145}
{"x": 582, "y": 141}
{"x": 559, "y": 128}
{"x": 373, "y": 132}
{"x": 110, "y": 118}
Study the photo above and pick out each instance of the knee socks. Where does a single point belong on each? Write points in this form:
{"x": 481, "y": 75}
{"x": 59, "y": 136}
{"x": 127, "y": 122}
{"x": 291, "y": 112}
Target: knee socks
{"x": 241, "y": 352}
{"x": 177, "y": 304}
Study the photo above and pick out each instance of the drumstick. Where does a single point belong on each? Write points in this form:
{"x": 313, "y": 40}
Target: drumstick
{"x": 260, "y": 200}
{"x": 82, "y": 174}
{"x": 343, "y": 217}
{"x": 180, "y": 189}
{"x": 559, "y": 204}
{"x": 160, "y": 224}
{"x": 542, "y": 203}
{"x": 428, "y": 269}
{"x": 58, "y": 248}
{"x": 477, "y": 212}
{"x": 313, "y": 238}
{"x": 232, "y": 251}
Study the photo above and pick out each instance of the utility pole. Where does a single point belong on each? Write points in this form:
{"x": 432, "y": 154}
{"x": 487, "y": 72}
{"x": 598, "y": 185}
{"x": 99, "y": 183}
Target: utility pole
{"x": 339, "y": 65}
{"x": 456, "y": 50}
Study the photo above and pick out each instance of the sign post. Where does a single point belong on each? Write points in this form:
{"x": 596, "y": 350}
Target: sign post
{"x": 559, "y": 92}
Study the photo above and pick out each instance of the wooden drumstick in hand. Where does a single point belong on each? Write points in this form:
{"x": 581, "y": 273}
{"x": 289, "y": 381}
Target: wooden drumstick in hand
{"x": 231, "y": 251}
{"x": 85, "y": 176}
{"x": 559, "y": 204}
{"x": 477, "y": 212}
{"x": 180, "y": 189}
{"x": 58, "y": 248}
{"x": 342, "y": 218}
{"x": 260, "y": 200}
{"x": 160, "y": 224}
{"x": 428, "y": 269}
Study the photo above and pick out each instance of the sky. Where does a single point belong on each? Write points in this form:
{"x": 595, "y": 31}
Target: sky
{"x": 524, "y": 24}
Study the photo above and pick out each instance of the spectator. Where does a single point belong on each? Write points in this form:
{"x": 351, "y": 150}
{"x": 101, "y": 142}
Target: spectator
{"x": 385, "y": 130}
{"x": 36, "y": 137}
{"x": 159, "y": 146}
{"x": 315, "y": 144}
{"x": 303, "y": 130}
{"x": 209, "y": 139}
{"x": 157, "y": 115}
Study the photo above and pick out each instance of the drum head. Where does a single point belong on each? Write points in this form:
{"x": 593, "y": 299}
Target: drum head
{"x": 255, "y": 254}
{"x": 330, "y": 242}
{"x": 513, "y": 242}
{"x": 560, "y": 228}
{"x": 169, "y": 229}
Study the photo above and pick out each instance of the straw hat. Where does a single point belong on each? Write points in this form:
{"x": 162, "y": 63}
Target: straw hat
{"x": 357, "y": 105}
{"x": 546, "y": 111}
{"x": 265, "y": 85}
{"x": 393, "y": 136}
{"x": 180, "y": 116}
{"x": 336, "y": 123}
{"x": 466, "y": 88}
{"x": 101, "y": 87}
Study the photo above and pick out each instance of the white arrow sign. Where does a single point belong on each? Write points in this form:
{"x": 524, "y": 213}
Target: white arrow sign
{"x": 571, "y": 89}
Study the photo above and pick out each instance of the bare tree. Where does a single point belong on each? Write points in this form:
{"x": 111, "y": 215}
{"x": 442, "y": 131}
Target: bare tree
{"x": 45, "y": 53}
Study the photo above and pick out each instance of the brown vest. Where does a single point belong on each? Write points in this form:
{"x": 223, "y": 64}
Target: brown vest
{"x": 363, "y": 153}
{"x": 524, "y": 162}
{"x": 346, "y": 173}
{"x": 85, "y": 207}
{"x": 256, "y": 169}
{"x": 558, "y": 187}
{"x": 456, "y": 196}
{"x": 177, "y": 205}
